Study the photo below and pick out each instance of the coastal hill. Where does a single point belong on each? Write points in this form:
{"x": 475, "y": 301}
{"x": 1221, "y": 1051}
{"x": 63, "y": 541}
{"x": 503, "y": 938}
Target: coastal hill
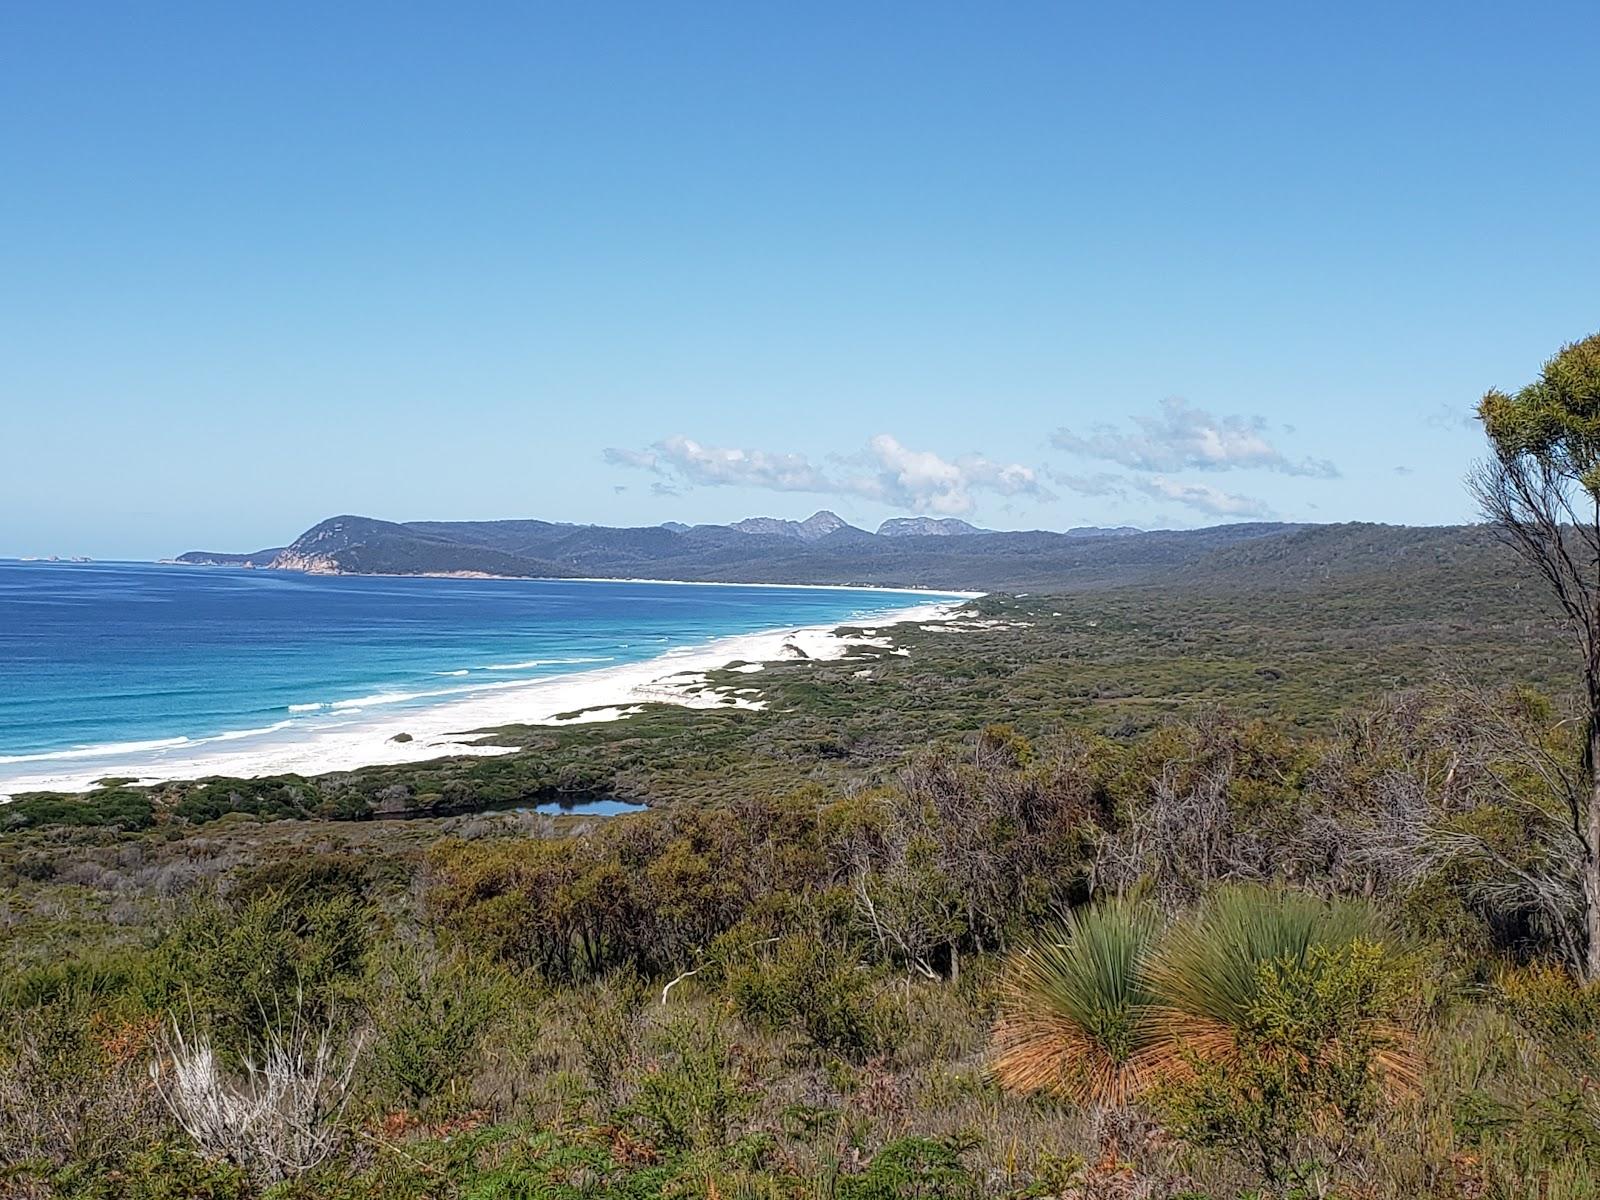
{"x": 824, "y": 549}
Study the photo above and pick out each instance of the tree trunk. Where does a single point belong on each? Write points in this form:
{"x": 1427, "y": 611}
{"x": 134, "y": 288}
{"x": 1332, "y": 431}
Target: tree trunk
{"x": 1591, "y": 862}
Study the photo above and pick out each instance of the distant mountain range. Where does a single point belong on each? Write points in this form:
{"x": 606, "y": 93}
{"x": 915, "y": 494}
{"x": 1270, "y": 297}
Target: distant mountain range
{"x": 907, "y": 552}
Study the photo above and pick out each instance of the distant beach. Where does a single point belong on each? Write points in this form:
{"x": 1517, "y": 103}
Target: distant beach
{"x": 562, "y": 680}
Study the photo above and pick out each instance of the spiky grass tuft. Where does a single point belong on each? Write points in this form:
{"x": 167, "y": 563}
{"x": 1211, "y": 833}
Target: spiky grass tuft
{"x": 1075, "y": 1007}
{"x": 1108, "y": 1004}
{"x": 1210, "y": 972}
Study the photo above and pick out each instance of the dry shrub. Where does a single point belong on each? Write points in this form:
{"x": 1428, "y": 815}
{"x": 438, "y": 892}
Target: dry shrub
{"x": 278, "y": 1119}
{"x": 73, "y": 1089}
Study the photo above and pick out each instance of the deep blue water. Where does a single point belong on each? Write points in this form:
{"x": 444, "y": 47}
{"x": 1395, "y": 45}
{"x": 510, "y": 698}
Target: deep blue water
{"x": 106, "y": 654}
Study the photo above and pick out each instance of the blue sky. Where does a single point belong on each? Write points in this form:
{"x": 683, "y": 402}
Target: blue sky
{"x": 1036, "y": 265}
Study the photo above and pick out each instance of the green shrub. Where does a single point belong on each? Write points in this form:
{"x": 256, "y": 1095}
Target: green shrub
{"x": 75, "y": 1097}
{"x": 817, "y": 987}
{"x": 238, "y": 969}
{"x": 430, "y": 1018}
{"x": 1279, "y": 1016}
{"x": 1302, "y": 1069}
{"x": 500, "y": 1162}
{"x": 267, "y": 799}
{"x": 689, "y": 1096}
{"x": 606, "y": 1022}
{"x": 110, "y": 981}
{"x": 1561, "y": 1117}
{"x": 117, "y": 806}
{"x": 913, "y": 1168}
{"x": 305, "y": 878}
{"x": 1208, "y": 971}
{"x": 1562, "y": 1014}
{"x": 170, "y": 1172}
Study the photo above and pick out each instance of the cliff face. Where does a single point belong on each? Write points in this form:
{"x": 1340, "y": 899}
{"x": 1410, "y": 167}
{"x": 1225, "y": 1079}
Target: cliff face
{"x": 311, "y": 564}
{"x": 317, "y": 550}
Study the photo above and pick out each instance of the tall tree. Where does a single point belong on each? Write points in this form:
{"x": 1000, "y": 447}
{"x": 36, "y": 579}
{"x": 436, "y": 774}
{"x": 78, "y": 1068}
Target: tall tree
{"x": 1541, "y": 490}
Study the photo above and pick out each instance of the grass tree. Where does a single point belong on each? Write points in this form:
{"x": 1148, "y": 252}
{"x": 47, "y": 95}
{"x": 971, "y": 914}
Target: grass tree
{"x": 1541, "y": 490}
{"x": 1216, "y": 973}
{"x": 1282, "y": 1009}
{"x": 1075, "y": 1017}
{"x": 1263, "y": 1024}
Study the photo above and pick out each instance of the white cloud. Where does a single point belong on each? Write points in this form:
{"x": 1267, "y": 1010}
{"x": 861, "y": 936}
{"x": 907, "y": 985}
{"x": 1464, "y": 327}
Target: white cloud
{"x": 886, "y": 471}
{"x": 922, "y": 481}
{"x": 644, "y": 460}
{"x": 1202, "y": 497}
{"x": 1182, "y": 436}
{"x": 715, "y": 466}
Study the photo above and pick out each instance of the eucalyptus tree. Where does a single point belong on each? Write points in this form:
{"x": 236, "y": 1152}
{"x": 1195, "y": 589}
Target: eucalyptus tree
{"x": 1541, "y": 490}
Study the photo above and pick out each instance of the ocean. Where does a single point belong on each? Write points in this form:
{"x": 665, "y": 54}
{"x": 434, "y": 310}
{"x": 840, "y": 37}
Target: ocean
{"x": 132, "y": 668}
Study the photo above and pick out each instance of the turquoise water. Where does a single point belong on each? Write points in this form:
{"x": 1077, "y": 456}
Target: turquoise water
{"x": 113, "y": 657}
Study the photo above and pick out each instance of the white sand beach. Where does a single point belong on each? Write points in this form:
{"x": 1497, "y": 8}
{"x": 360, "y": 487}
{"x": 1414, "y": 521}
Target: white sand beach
{"x": 357, "y": 737}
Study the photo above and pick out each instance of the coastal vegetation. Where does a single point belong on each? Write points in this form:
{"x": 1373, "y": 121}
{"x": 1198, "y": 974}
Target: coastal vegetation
{"x": 1273, "y": 879}
{"x": 1213, "y": 957}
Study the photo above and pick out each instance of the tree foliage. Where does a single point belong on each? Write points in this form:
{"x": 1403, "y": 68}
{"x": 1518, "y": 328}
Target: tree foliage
{"x": 1542, "y": 492}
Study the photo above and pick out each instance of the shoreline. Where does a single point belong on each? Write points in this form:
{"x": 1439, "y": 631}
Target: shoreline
{"x": 813, "y": 587}
{"x": 481, "y": 576}
{"x": 457, "y": 727}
